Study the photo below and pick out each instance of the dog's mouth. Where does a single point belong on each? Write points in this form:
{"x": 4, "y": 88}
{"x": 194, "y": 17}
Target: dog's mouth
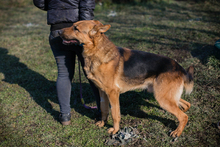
{"x": 70, "y": 42}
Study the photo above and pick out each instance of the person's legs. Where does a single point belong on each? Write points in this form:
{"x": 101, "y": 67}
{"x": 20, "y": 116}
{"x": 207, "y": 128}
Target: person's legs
{"x": 65, "y": 59}
{"x": 65, "y": 63}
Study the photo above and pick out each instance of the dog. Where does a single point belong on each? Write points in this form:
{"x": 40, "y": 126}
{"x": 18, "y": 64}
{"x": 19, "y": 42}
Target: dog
{"x": 115, "y": 70}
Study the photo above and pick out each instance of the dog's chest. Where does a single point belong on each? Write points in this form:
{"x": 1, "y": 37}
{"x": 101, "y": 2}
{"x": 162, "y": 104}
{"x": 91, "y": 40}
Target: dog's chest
{"x": 92, "y": 70}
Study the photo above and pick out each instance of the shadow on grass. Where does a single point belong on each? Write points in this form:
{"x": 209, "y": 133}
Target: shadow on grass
{"x": 204, "y": 52}
{"x": 132, "y": 101}
{"x": 172, "y": 12}
{"x": 42, "y": 91}
{"x": 179, "y": 50}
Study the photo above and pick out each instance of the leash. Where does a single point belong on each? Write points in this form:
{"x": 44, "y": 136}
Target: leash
{"x": 82, "y": 100}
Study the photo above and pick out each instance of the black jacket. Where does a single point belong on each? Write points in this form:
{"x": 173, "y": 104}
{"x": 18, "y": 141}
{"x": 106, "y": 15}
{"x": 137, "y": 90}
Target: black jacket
{"x": 63, "y": 13}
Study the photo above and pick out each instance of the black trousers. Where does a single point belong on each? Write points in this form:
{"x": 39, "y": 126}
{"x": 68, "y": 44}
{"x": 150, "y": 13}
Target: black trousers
{"x": 65, "y": 56}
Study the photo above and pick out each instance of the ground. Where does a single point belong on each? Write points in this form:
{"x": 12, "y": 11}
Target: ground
{"x": 183, "y": 30}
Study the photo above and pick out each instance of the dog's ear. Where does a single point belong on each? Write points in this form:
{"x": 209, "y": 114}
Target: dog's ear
{"x": 104, "y": 28}
{"x": 100, "y": 29}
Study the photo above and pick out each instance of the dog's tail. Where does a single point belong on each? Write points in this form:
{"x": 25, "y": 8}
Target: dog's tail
{"x": 188, "y": 80}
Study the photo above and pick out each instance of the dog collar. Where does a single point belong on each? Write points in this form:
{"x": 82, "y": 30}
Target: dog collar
{"x": 81, "y": 44}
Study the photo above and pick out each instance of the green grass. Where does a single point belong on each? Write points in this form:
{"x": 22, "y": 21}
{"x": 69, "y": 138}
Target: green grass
{"x": 184, "y": 31}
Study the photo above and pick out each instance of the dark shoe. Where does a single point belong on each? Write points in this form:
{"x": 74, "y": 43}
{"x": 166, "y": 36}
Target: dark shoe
{"x": 65, "y": 118}
{"x": 98, "y": 115}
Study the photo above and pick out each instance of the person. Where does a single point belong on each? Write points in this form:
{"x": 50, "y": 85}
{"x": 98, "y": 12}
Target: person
{"x": 61, "y": 14}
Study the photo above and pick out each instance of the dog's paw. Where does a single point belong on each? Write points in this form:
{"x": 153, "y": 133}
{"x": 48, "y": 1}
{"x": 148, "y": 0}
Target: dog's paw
{"x": 100, "y": 123}
{"x": 112, "y": 131}
{"x": 176, "y": 133}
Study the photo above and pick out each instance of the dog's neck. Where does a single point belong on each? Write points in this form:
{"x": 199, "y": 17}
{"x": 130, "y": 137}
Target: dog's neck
{"x": 101, "y": 48}
{"x": 101, "y": 51}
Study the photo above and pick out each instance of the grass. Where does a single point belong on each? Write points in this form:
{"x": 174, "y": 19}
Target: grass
{"x": 183, "y": 30}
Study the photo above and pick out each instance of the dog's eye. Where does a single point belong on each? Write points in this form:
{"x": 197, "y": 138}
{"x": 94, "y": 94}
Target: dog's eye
{"x": 75, "y": 28}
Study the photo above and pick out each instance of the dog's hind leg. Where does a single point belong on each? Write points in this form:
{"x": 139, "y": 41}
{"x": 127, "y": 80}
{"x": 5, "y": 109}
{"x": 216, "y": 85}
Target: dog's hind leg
{"x": 104, "y": 104}
{"x": 168, "y": 94}
{"x": 184, "y": 105}
{"x": 181, "y": 116}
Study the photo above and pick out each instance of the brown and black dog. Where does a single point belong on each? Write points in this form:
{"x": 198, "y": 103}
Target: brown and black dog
{"x": 116, "y": 70}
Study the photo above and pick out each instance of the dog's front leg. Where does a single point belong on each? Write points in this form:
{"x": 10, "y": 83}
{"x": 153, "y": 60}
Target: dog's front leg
{"x": 115, "y": 110}
{"x": 104, "y": 104}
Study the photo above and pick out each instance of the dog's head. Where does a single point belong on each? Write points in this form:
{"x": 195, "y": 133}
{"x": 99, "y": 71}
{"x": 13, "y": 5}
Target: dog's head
{"x": 83, "y": 32}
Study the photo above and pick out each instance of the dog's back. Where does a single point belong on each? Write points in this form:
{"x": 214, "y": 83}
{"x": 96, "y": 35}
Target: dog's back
{"x": 139, "y": 66}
